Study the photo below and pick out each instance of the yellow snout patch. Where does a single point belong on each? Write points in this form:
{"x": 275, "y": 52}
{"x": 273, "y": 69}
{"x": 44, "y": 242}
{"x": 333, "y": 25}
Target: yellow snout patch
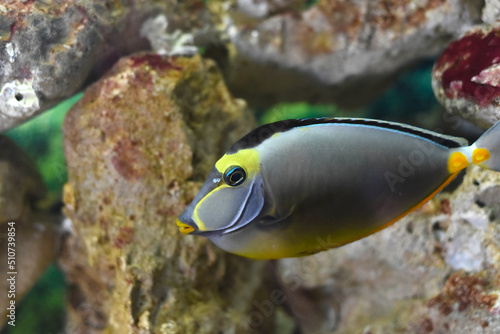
{"x": 479, "y": 155}
{"x": 184, "y": 228}
{"x": 456, "y": 162}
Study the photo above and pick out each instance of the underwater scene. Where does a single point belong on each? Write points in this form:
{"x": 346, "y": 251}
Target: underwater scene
{"x": 250, "y": 166}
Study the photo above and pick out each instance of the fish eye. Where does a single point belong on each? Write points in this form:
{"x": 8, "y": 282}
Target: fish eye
{"x": 234, "y": 176}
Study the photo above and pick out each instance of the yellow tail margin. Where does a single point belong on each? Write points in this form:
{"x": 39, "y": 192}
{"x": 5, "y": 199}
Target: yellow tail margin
{"x": 479, "y": 155}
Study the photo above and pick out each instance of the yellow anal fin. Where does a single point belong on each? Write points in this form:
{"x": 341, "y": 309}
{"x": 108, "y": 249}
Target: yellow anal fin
{"x": 456, "y": 162}
{"x": 479, "y": 155}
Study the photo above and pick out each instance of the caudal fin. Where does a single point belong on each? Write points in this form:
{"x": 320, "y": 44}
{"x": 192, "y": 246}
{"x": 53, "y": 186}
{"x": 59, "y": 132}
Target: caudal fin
{"x": 486, "y": 150}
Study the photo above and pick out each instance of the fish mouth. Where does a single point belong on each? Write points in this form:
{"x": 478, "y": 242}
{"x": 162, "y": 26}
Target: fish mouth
{"x": 184, "y": 228}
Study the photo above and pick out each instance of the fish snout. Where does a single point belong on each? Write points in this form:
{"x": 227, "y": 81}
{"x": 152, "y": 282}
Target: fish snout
{"x": 184, "y": 228}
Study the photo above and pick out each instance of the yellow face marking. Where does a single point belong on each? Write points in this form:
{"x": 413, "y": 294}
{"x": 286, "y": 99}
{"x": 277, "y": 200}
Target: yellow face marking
{"x": 456, "y": 162}
{"x": 184, "y": 228}
{"x": 196, "y": 217}
{"x": 479, "y": 155}
{"x": 248, "y": 159}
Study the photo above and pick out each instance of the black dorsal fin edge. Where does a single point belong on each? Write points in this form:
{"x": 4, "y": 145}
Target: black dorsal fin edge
{"x": 264, "y": 132}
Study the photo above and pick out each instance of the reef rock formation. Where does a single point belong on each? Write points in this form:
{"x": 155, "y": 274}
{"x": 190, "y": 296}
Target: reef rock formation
{"x": 334, "y": 51}
{"x": 138, "y": 146}
{"x": 20, "y": 181}
{"x": 466, "y": 77}
{"x": 50, "y": 49}
{"x": 34, "y": 234}
{"x": 491, "y": 11}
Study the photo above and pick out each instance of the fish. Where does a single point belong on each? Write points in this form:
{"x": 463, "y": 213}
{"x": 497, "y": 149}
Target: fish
{"x": 297, "y": 187}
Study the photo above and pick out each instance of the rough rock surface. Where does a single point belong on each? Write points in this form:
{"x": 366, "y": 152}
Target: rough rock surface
{"x": 465, "y": 78}
{"x": 49, "y": 49}
{"x": 491, "y": 11}
{"x": 20, "y": 182}
{"x": 35, "y": 234}
{"x": 337, "y": 50}
{"x": 435, "y": 271}
{"x": 138, "y": 146}
{"x": 37, "y": 238}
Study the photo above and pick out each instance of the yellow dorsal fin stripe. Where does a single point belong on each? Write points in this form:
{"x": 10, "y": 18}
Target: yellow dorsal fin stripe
{"x": 479, "y": 155}
{"x": 456, "y": 162}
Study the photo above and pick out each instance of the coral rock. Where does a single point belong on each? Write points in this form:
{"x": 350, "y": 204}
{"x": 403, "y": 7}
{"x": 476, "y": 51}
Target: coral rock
{"x": 50, "y": 49}
{"x": 466, "y": 76}
{"x": 491, "y": 11}
{"x": 338, "y": 50}
{"x": 20, "y": 182}
{"x": 37, "y": 239}
{"x": 34, "y": 234}
{"x": 138, "y": 146}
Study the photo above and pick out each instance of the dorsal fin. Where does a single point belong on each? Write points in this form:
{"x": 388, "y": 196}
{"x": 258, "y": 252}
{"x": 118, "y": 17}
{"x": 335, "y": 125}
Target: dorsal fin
{"x": 260, "y": 134}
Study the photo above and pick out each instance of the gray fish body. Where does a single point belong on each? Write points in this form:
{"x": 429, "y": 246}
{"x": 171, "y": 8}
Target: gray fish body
{"x": 331, "y": 184}
{"x": 310, "y": 185}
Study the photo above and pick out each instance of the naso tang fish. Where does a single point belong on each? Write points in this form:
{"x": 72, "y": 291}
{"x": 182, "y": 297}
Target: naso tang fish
{"x": 297, "y": 187}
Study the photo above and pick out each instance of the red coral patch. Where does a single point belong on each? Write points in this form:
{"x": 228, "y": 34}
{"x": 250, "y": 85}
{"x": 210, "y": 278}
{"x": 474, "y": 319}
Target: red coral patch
{"x": 464, "y": 62}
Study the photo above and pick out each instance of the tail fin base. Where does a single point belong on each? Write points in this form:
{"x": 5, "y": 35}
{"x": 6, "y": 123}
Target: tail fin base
{"x": 486, "y": 150}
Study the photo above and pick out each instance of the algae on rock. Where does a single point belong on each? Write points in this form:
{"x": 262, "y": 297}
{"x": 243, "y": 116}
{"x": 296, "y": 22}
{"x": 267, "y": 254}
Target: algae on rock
{"x": 138, "y": 146}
